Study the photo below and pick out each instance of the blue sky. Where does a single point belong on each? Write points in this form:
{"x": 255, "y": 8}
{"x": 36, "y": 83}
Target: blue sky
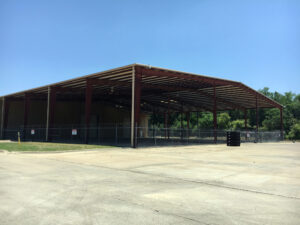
{"x": 255, "y": 42}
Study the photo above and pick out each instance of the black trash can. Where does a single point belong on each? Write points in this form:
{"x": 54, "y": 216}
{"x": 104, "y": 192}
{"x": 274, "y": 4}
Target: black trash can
{"x": 233, "y": 138}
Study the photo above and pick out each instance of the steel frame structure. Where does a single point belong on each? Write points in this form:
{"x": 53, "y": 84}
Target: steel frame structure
{"x": 145, "y": 88}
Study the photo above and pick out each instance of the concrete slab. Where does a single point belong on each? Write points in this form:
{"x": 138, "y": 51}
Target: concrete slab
{"x": 207, "y": 184}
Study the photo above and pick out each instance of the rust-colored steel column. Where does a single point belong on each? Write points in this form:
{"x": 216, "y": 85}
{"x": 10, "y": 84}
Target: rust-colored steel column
{"x": 2, "y": 110}
{"x": 281, "y": 123}
{"x": 168, "y": 120}
{"x": 153, "y": 131}
{"x": 246, "y": 128}
{"x": 88, "y": 103}
{"x": 4, "y": 117}
{"x": 246, "y": 122}
{"x": 198, "y": 120}
{"x": 52, "y": 102}
{"x": 6, "y": 109}
{"x": 137, "y": 105}
{"x": 48, "y": 115}
{"x": 257, "y": 119}
{"x": 188, "y": 123}
{"x": 215, "y": 115}
{"x": 132, "y": 130}
{"x": 165, "y": 124}
{"x": 26, "y": 112}
{"x": 181, "y": 120}
{"x": 181, "y": 124}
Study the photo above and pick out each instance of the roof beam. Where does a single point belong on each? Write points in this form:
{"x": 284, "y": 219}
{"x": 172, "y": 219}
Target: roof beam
{"x": 259, "y": 95}
{"x": 184, "y": 102}
{"x": 100, "y": 82}
{"x": 174, "y": 89}
{"x": 165, "y": 73}
{"x": 162, "y": 87}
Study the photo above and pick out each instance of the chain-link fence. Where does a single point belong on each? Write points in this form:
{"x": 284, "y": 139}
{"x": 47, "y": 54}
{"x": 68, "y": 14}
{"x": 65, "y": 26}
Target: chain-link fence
{"x": 112, "y": 135}
{"x": 119, "y": 135}
{"x": 173, "y": 136}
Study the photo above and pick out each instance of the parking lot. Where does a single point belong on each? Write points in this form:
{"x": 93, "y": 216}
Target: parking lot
{"x": 206, "y": 184}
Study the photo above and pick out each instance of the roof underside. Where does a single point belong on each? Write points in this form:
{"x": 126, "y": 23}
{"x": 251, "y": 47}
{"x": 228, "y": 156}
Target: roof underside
{"x": 161, "y": 88}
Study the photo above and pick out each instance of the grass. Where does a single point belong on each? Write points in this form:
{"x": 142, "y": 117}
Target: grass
{"x": 41, "y": 146}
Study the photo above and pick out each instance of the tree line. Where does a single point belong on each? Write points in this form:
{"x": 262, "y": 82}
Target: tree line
{"x": 269, "y": 118}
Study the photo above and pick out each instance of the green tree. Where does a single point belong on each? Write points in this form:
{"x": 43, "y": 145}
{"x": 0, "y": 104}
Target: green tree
{"x": 295, "y": 132}
{"x": 223, "y": 121}
{"x": 239, "y": 124}
{"x": 265, "y": 91}
{"x": 294, "y": 107}
{"x": 236, "y": 114}
{"x": 269, "y": 119}
{"x": 206, "y": 121}
{"x": 272, "y": 120}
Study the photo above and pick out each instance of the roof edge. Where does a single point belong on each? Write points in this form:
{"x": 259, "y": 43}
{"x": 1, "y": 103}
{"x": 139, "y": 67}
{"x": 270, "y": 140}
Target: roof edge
{"x": 72, "y": 79}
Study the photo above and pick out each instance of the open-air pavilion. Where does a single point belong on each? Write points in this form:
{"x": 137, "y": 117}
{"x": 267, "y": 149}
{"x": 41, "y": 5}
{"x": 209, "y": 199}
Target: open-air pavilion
{"x": 126, "y": 95}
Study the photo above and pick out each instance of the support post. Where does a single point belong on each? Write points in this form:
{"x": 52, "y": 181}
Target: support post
{"x": 197, "y": 120}
{"x": 188, "y": 123}
{"x": 257, "y": 119}
{"x": 88, "y": 103}
{"x": 281, "y": 123}
{"x": 50, "y": 112}
{"x": 165, "y": 124}
{"x": 2, "y": 118}
{"x": 168, "y": 119}
{"x": 153, "y": 131}
{"x": 132, "y": 141}
{"x": 246, "y": 129}
{"x": 198, "y": 130}
{"x": 5, "y": 116}
{"x": 215, "y": 115}
{"x": 26, "y": 112}
{"x": 6, "y": 108}
{"x": 116, "y": 134}
{"x": 245, "y": 116}
{"x": 136, "y": 104}
{"x": 181, "y": 125}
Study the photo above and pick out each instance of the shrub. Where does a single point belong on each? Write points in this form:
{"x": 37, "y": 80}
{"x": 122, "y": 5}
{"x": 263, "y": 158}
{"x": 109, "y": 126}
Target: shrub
{"x": 239, "y": 124}
{"x": 294, "y": 134}
{"x": 223, "y": 121}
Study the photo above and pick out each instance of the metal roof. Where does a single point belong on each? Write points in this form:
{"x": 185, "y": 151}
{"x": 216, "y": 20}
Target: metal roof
{"x": 160, "y": 87}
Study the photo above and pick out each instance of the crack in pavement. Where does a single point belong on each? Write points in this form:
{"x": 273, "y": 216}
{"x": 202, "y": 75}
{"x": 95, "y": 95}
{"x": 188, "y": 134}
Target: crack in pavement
{"x": 185, "y": 180}
{"x": 164, "y": 213}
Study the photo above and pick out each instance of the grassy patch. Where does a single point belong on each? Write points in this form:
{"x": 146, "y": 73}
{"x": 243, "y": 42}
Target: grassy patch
{"x": 41, "y": 146}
